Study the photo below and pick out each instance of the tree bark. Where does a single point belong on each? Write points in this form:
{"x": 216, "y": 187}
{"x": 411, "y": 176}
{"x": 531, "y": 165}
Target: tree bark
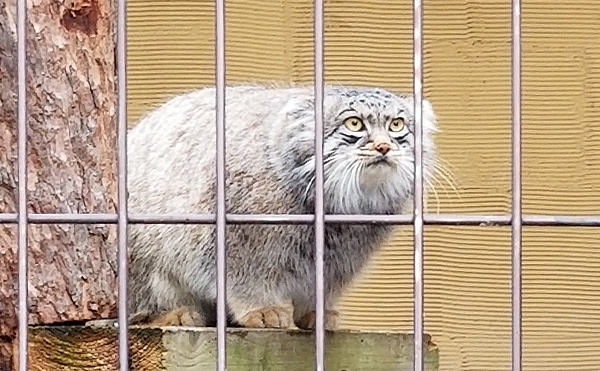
{"x": 71, "y": 161}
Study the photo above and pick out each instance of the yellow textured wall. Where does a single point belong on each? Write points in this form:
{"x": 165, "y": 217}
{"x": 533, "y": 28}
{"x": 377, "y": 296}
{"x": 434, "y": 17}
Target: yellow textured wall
{"x": 467, "y": 78}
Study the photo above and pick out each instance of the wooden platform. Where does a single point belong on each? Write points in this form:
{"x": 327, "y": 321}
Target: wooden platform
{"x": 71, "y": 348}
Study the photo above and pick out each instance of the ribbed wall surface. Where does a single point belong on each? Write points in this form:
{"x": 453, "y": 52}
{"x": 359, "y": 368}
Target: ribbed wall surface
{"x": 467, "y": 78}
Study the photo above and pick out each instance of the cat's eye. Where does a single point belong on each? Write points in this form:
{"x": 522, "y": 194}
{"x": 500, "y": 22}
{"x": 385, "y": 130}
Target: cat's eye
{"x": 397, "y": 124}
{"x": 354, "y": 123}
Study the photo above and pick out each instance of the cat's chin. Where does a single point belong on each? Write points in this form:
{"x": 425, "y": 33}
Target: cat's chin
{"x": 379, "y": 161}
{"x": 375, "y": 175}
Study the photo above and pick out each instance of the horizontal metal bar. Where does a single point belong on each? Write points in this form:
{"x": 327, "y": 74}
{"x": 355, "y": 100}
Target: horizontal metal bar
{"x": 73, "y": 218}
{"x": 172, "y": 219}
{"x": 561, "y": 220}
{"x": 270, "y": 219}
{"x": 467, "y": 219}
{"x": 406, "y": 219}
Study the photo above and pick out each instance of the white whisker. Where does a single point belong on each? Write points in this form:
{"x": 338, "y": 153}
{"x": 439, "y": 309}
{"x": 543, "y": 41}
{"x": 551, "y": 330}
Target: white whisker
{"x": 437, "y": 199}
{"x": 445, "y": 175}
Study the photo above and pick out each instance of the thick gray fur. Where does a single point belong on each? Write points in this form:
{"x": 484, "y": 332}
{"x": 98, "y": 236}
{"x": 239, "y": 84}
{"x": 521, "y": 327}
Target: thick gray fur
{"x": 270, "y": 169}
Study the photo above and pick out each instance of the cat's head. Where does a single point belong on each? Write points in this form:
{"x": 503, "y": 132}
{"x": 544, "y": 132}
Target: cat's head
{"x": 368, "y": 148}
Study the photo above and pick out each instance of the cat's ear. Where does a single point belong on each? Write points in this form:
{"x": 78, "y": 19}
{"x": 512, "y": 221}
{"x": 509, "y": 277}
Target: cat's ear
{"x": 299, "y": 107}
{"x": 429, "y": 117}
{"x": 430, "y": 124}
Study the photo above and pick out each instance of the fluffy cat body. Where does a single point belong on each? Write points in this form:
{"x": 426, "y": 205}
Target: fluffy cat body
{"x": 269, "y": 170}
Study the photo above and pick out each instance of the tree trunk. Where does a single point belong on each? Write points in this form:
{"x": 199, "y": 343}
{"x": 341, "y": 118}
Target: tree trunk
{"x": 71, "y": 162}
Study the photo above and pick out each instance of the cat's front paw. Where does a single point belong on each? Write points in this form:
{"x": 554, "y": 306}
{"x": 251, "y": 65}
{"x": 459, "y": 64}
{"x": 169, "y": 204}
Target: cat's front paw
{"x": 182, "y": 316}
{"x": 267, "y": 317}
{"x": 308, "y": 320}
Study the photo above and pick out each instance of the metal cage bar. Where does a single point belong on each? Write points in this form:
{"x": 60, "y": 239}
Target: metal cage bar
{"x": 516, "y": 225}
{"x": 122, "y": 220}
{"x": 319, "y": 218}
{"x": 418, "y": 185}
{"x": 22, "y": 179}
{"x": 220, "y": 168}
{"x": 402, "y": 219}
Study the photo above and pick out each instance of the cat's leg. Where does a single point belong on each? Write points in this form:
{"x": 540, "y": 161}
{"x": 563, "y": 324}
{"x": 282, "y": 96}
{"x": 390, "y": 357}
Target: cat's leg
{"x": 159, "y": 302}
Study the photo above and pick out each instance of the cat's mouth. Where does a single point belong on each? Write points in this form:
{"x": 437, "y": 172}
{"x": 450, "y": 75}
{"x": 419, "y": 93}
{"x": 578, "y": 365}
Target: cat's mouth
{"x": 381, "y": 160}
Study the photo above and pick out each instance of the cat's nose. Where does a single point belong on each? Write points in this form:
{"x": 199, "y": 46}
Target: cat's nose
{"x": 382, "y": 148}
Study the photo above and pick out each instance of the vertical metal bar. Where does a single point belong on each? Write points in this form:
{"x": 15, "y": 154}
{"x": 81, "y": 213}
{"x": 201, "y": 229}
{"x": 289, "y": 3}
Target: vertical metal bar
{"x": 319, "y": 192}
{"x": 122, "y": 222}
{"x": 22, "y": 165}
{"x": 418, "y": 183}
{"x": 221, "y": 206}
{"x": 517, "y": 217}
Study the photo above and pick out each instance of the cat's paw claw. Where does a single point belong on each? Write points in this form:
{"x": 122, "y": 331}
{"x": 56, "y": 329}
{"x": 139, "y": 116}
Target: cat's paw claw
{"x": 267, "y": 317}
{"x": 307, "y": 321}
{"x": 182, "y": 316}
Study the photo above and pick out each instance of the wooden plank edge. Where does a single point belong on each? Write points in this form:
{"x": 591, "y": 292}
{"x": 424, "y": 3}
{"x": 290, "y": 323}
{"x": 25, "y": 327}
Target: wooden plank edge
{"x": 71, "y": 348}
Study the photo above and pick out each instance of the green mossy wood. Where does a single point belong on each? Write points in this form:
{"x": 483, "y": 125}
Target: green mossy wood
{"x": 82, "y": 348}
